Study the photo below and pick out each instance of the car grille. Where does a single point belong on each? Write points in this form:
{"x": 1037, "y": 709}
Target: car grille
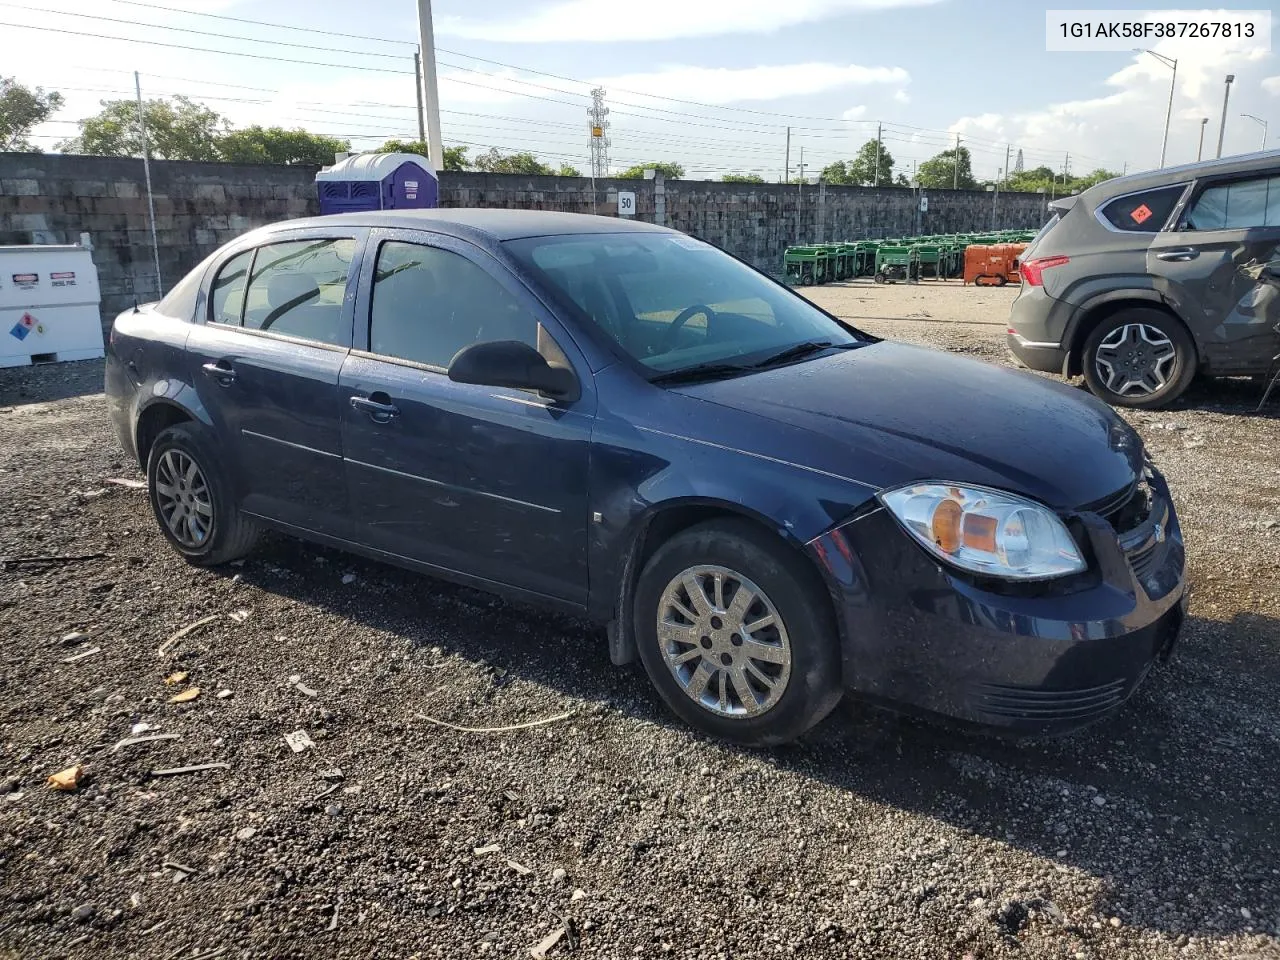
{"x": 1000, "y": 702}
{"x": 1127, "y": 510}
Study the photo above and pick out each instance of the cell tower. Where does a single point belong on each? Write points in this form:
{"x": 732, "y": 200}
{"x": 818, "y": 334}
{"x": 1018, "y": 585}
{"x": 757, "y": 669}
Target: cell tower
{"x": 599, "y": 134}
{"x": 1017, "y": 165}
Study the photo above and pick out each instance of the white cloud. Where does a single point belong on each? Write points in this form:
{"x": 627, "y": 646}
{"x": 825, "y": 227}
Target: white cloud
{"x": 724, "y": 85}
{"x": 901, "y": 96}
{"x": 1126, "y": 124}
{"x": 603, "y": 21}
{"x": 854, "y": 113}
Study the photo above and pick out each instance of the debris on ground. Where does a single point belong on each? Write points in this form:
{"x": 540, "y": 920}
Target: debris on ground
{"x": 131, "y": 741}
{"x": 173, "y": 679}
{"x": 195, "y": 768}
{"x": 540, "y": 950}
{"x": 82, "y": 655}
{"x": 298, "y": 741}
{"x": 482, "y": 851}
{"x": 68, "y": 779}
{"x": 223, "y": 694}
{"x": 185, "y": 632}
{"x": 127, "y": 482}
{"x": 186, "y": 696}
{"x": 74, "y": 637}
{"x": 239, "y": 616}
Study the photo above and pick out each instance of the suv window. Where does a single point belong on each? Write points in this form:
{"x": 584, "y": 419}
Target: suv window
{"x": 226, "y": 299}
{"x": 1145, "y": 212}
{"x": 428, "y": 304}
{"x": 1237, "y": 206}
{"x": 297, "y": 289}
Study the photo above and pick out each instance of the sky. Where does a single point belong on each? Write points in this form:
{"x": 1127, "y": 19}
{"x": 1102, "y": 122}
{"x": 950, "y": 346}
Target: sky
{"x": 711, "y": 84}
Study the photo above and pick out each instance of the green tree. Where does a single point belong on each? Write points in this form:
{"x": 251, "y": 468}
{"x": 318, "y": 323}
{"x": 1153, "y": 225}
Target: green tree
{"x": 276, "y": 145}
{"x": 940, "y": 172}
{"x": 177, "y": 130}
{"x": 455, "y": 158}
{"x": 837, "y": 173}
{"x": 669, "y": 170}
{"x": 864, "y": 169}
{"x": 742, "y": 178}
{"x": 21, "y": 109}
{"x": 524, "y": 162}
{"x": 568, "y": 171}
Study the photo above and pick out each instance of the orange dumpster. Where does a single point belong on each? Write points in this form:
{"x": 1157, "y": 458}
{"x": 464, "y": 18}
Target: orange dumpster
{"x": 992, "y": 264}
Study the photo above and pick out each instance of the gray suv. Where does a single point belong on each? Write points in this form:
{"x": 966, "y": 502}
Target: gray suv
{"x": 1141, "y": 282}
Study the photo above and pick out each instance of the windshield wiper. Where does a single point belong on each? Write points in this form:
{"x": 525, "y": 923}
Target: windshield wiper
{"x": 702, "y": 371}
{"x": 802, "y": 350}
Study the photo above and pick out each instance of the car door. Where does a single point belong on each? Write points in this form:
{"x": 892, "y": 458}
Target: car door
{"x": 486, "y": 481}
{"x": 1221, "y": 267}
{"x": 266, "y": 358}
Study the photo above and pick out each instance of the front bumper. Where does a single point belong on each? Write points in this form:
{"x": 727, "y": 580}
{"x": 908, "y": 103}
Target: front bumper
{"x": 1029, "y": 659}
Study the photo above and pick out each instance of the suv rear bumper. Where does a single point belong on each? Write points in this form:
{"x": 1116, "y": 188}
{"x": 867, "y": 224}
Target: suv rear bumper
{"x": 1046, "y": 357}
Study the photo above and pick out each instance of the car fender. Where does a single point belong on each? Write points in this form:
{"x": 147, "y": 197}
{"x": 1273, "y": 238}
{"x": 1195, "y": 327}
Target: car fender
{"x": 169, "y": 392}
{"x": 1100, "y": 292}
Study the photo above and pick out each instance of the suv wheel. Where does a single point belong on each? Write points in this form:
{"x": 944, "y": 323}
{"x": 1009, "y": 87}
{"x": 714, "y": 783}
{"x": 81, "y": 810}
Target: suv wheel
{"x": 191, "y": 499}
{"x": 1139, "y": 357}
{"x": 736, "y": 635}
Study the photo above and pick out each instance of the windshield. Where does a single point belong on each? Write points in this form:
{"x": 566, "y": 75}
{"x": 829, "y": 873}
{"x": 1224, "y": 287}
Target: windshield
{"x": 674, "y": 303}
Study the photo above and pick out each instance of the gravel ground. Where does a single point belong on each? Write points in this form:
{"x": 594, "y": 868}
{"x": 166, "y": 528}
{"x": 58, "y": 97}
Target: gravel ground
{"x": 1153, "y": 834}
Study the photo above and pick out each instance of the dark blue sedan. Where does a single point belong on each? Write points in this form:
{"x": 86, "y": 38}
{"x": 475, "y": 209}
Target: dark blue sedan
{"x": 764, "y": 504}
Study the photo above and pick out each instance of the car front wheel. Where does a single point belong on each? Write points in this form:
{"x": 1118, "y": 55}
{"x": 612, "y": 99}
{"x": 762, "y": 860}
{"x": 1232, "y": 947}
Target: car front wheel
{"x": 191, "y": 499}
{"x": 1140, "y": 358}
{"x": 737, "y": 635}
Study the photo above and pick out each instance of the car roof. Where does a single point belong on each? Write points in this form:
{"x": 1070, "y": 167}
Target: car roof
{"x": 1239, "y": 163}
{"x": 479, "y": 223}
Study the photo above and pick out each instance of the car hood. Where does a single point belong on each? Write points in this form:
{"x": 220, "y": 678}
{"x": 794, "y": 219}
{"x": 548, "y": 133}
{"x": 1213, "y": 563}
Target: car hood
{"x": 889, "y": 414}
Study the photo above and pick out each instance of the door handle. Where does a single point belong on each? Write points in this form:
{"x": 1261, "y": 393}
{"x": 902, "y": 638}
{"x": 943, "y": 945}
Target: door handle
{"x": 379, "y": 411}
{"x": 1178, "y": 254}
{"x": 220, "y": 372}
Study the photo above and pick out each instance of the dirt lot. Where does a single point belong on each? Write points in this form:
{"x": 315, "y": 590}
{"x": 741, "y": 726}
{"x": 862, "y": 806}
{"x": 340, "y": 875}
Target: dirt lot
{"x": 1154, "y": 834}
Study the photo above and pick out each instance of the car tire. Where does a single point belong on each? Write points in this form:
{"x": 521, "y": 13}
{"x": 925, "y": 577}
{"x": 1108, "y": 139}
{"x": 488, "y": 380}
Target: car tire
{"x": 196, "y": 511}
{"x": 803, "y": 632}
{"x": 1151, "y": 333}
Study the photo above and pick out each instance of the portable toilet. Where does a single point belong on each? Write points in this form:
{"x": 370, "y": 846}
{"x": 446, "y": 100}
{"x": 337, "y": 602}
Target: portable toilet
{"x": 378, "y": 181}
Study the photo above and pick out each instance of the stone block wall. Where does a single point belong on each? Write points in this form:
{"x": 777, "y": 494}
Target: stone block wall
{"x": 51, "y": 198}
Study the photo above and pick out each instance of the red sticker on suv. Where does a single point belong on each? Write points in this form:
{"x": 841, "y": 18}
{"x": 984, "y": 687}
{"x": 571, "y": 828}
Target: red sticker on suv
{"x": 1142, "y": 214}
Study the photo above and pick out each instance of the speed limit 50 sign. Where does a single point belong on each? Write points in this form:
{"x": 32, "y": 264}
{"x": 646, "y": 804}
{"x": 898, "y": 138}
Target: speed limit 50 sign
{"x": 626, "y": 204}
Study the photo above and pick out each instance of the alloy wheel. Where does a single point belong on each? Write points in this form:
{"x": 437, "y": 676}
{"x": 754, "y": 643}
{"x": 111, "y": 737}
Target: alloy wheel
{"x": 182, "y": 494}
{"x": 724, "y": 641}
{"x": 1135, "y": 360}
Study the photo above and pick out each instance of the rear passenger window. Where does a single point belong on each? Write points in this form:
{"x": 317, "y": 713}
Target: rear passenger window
{"x": 226, "y": 299}
{"x": 1145, "y": 212}
{"x": 1238, "y": 205}
{"x": 297, "y": 289}
{"x": 428, "y": 304}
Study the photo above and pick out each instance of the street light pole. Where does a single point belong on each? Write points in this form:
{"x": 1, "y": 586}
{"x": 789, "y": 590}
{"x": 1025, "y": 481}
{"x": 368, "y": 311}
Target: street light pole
{"x": 1173, "y": 85}
{"x": 1264, "y": 128}
{"x": 1200, "y": 149}
{"x": 1222, "y": 126}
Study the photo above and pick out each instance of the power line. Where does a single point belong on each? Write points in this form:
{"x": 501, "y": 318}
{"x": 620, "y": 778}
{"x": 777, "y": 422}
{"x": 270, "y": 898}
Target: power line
{"x": 203, "y": 33}
{"x": 228, "y": 53}
{"x": 262, "y": 23}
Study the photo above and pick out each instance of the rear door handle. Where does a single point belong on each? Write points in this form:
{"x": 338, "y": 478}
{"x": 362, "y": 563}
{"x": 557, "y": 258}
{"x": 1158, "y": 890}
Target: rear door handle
{"x": 378, "y": 406}
{"x": 220, "y": 371}
{"x": 1178, "y": 254}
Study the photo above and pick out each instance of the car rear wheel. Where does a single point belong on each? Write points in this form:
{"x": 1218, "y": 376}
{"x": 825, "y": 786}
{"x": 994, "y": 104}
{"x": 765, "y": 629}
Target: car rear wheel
{"x": 1139, "y": 358}
{"x": 737, "y": 636}
{"x": 190, "y": 497}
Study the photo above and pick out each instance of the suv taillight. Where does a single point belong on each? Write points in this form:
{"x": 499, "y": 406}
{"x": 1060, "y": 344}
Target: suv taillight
{"x": 1032, "y": 271}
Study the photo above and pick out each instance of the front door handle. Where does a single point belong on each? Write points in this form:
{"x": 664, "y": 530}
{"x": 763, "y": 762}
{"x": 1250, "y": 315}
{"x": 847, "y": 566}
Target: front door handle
{"x": 378, "y": 406}
{"x": 1178, "y": 254}
{"x": 221, "y": 372}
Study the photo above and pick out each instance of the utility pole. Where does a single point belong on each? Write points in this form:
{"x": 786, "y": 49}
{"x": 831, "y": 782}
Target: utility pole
{"x": 786, "y": 177}
{"x": 1226, "y": 95}
{"x": 1200, "y": 149}
{"x": 876, "y": 181}
{"x": 1250, "y": 116}
{"x": 1173, "y": 85}
{"x": 417, "y": 85}
{"x": 800, "y": 197}
{"x": 955, "y": 179}
{"x": 146, "y": 170}
{"x": 430, "y": 92}
{"x": 599, "y": 127}
{"x": 1008, "y": 147}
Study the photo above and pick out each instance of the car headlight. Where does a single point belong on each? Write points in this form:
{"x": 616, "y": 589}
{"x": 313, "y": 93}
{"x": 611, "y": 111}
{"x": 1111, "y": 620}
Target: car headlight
{"x": 986, "y": 531}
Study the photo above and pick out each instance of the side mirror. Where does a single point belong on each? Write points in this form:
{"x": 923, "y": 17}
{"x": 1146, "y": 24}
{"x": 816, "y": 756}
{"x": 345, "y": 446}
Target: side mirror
{"x": 509, "y": 363}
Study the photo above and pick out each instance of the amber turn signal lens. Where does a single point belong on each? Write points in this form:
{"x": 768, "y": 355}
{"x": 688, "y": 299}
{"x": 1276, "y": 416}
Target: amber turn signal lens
{"x": 945, "y": 525}
{"x": 980, "y": 532}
